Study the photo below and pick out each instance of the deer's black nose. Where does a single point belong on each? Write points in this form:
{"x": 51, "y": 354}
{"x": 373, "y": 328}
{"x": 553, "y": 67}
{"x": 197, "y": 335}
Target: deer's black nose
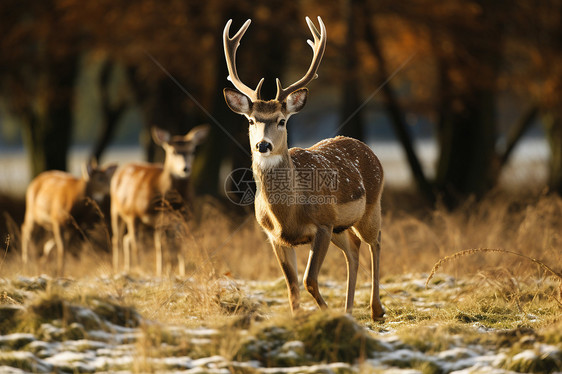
{"x": 263, "y": 147}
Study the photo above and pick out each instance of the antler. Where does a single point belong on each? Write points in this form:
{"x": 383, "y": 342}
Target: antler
{"x": 318, "y": 48}
{"x": 230, "y": 47}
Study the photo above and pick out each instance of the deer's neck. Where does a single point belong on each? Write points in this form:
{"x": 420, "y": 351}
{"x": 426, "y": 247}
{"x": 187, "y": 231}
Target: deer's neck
{"x": 173, "y": 187}
{"x": 267, "y": 168}
{"x": 164, "y": 179}
{"x": 273, "y": 177}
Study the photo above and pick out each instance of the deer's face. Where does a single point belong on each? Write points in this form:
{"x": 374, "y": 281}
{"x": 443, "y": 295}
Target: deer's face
{"x": 267, "y": 119}
{"x": 180, "y": 149}
{"x": 266, "y": 127}
{"x": 179, "y": 157}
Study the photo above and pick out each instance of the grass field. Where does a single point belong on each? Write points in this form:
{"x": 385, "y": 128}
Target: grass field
{"x": 484, "y": 311}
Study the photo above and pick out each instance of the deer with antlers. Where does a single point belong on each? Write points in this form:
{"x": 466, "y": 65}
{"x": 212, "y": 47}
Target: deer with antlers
{"x": 53, "y": 200}
{"x": 143, "y": 192}
{"x": 330, "y": 192}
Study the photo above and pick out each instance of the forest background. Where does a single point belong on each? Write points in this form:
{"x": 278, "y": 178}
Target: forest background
{"x": 473, "y": 76}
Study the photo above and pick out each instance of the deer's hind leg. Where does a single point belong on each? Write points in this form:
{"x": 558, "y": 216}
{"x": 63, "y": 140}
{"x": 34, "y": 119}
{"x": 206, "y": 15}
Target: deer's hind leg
{"x": 349, "y": 243}
{"x": 33, "y": 237}
{"x": 369, "y": 230}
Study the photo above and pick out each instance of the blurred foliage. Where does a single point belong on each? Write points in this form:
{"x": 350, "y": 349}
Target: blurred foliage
{"x": 452, "y": 64}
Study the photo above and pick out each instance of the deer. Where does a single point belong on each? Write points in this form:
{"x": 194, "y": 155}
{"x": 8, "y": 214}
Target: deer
{"x": 329, "y": 192}
{"x": 140, "y": 192}
{"x": 54, "y": 198}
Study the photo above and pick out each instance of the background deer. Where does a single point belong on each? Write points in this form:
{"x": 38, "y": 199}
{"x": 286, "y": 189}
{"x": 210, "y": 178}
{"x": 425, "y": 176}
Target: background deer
{"x": 53, "y": 199}
{"x": 142, "y": 192}
{"x": 343, "y": 206}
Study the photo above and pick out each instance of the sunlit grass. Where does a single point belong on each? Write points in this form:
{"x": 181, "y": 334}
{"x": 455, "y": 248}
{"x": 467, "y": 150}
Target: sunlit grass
{"x": 234, "y": 287}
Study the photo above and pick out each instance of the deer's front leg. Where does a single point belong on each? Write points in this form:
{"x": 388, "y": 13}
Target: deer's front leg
{"x": 287, "y": 259}
{"x": 320, "y": 245}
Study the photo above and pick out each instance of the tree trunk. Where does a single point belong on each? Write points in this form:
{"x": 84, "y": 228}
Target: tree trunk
{"x": 517, "y": 131}
{"x": 351, "y": 122}
{"x": 553, "y": 127}
{"x": 467, "y": 136}
{"x": 553, "y": 117}
{"x": 48, "y": 129}
{"x": 225, "y": 142}
{"x": 110, "y": 114}
{"x": 33, "y": 141}
{"x": 397, "y": 117}
{"x": 469, "y": 62}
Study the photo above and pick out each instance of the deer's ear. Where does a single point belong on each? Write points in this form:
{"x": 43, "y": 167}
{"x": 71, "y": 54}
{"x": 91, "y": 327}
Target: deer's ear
{"x": 88, "y": 168}
{"x": 110, "y": 170}
{"x": 237, "y": 102}
{"x": 296, "y": 100}
{"x": 198, "y": 134}
{"x": 160, "y": 136}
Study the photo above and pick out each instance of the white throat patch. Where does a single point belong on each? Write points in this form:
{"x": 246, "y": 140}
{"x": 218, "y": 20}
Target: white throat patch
{"x": 266, "y": 162}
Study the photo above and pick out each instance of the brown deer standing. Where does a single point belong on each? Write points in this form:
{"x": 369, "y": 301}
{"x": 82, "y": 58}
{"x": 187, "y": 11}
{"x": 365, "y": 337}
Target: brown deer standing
{"x": 53, "y": 199}
{"x": 140, "y": 192}
{"x": 328, "y": 192}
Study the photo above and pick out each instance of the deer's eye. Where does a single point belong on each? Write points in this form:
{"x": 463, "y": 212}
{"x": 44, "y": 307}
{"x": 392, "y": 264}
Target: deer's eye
{"x": 251, "y": 121}
{"x": 281, "y": 123}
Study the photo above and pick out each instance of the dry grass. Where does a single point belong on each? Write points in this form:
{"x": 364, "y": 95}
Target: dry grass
{"x": 493, "y": 291}
{"x": 467, "y": 252}
{"x": 512, "y": 283}
{"x": 221, "y": 247}
{"x": 529, "y": 225}
{"x": 413, "y": 241}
